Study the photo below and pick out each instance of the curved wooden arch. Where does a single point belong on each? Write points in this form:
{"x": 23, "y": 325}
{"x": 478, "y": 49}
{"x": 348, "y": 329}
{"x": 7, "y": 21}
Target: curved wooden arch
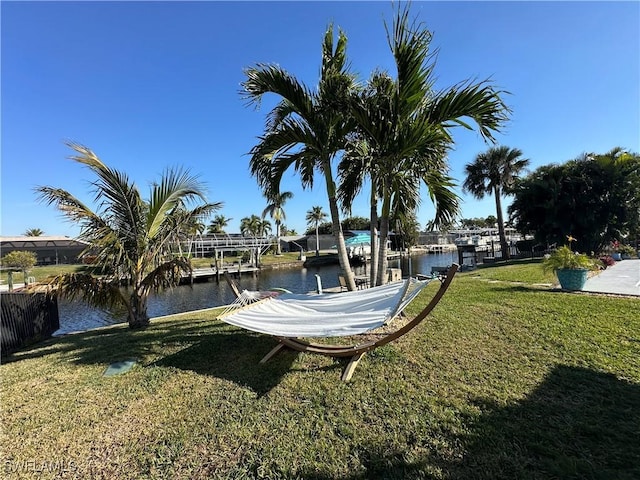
{"x": 358, "y": 350}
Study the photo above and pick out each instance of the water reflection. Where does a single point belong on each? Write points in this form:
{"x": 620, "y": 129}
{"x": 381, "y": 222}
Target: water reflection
{"x": 76, "y": 316}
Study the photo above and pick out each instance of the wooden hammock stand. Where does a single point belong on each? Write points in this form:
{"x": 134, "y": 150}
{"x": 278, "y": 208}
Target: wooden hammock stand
{"x": 357, "y": 351}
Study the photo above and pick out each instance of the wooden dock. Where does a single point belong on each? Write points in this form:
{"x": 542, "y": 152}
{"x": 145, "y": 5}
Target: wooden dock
{"x": 205, "y": 274}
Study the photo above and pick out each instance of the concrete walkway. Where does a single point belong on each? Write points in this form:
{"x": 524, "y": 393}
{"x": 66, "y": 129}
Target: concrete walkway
{"x": 623, "y": 278}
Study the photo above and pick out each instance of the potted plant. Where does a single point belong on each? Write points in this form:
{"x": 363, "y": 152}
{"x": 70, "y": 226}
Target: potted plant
{"x": 570, "y": 267}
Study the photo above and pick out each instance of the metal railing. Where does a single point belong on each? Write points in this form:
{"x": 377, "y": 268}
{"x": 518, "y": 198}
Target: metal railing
{"x": 207, "y": 245}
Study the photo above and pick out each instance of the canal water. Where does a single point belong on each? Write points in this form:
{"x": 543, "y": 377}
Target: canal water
{"x": 76, "y": 316}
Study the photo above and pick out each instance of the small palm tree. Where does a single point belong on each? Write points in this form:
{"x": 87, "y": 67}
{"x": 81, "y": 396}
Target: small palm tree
{"x": 276, "y": 212}
{"x": 254, "y": 226}
{"x": 314, "y": 217}
{"x": 218, "y": 224}
{"x": 132, "y": 237}
{"x": 494, "y": 172}
{"x": 33, "y": 232}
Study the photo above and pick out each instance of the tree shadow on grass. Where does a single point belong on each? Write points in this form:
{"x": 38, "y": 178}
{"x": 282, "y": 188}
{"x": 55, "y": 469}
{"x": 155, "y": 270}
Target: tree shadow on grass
{"x": 234, "y": 356}
{"x": 578, "y": 424}
{"x": 105, "y": 345}
{"x": 522, "y": 288}
{"x": 204, "y": 347}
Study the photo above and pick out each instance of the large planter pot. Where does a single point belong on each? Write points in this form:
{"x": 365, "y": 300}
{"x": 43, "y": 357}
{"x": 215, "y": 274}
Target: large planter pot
{"x": 572, "y": 278}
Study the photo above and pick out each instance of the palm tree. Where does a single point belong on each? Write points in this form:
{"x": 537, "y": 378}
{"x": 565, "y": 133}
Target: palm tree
{"x": 132, "y": 237}
{"x": 276, "y": 212}
{"x": 254, "y": 226}
{"x": 306, "y": 129}
{"x": 314, "y": 217}
{"x": 218, "y": 224}
{"x": 33, "y": 232}
{"x": 192, "y": 228}
{"x": 494, "y": 172}
{"x": 404, "y": 133}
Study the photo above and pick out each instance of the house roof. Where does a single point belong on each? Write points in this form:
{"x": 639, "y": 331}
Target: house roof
{"x": 41, "y": 242}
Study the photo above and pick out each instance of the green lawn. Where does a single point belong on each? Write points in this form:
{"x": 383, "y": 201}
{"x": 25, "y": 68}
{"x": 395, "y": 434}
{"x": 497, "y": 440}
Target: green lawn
{"x": 504, "y": 380}
{"x": 519, "y": 271}
{"x": 44, "y": 273}
{"x": 268, "y": 259}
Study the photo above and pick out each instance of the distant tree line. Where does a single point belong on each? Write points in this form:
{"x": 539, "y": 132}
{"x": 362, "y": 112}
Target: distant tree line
{"x": 478, "y": 222}
{"x": 349, "y": 223}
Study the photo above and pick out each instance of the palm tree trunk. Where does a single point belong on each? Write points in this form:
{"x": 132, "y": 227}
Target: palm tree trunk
{"x": 278, "y": 251}
{"x": 138, "y": 317}
{"x": 383, "y": 261}
{"x": 373, "y": 271}
{"x": 336, "y": 228}
{"x": 317, "y": 241}
{"x": 343, "y": 256}
{"x": 506, "y": 254}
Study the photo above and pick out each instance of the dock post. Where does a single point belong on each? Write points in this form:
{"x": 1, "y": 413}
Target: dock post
{"x": 215, "y": 262}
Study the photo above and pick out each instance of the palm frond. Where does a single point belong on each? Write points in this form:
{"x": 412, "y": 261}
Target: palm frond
{"x": 69, "y": 205}
{"x": 443, "y": 196}
{"x": 480, "y": 102}
{"x": 265, "y": 78}
{"x": 168, "y": 274}
{"x": 409, "y": 44}
{"x": 95, "y": 291}
{"x": 177, "y": 187}
{"x": 271, "y": 154}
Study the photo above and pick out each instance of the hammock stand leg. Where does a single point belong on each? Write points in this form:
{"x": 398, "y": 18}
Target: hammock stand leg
{"x": 346, "y": 374}
{"x": 351, "y": 367}
{"x": 273, "y": 352}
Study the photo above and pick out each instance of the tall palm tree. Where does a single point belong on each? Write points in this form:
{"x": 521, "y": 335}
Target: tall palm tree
{"x": 307, "y": 129}
{"x": 404, "y": 132}
{"x": 218, "y": 224}
{"x": 33, "y": 232}
{"x": 276, "y": 212}
{"x": 314, "y": 217}
{"x": 492, "y": 173}
{"x": 132, "y": 237}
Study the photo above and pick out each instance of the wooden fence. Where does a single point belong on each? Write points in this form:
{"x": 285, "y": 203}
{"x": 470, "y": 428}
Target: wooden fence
{"x": 26, "y": 318}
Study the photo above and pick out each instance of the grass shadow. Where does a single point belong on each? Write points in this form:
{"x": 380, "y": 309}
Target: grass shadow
{"x": 105, "y": 345}
{"x": 578, "y": 424}
{"x": 513, "y": 261}
{"x": 204, "y": 347}
{"x": 521, "y": 288}
{"x": 234, "y": 356}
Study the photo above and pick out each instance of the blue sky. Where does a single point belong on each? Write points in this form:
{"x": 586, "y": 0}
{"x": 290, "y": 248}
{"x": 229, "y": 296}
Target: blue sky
{"x": 152, "y": 85}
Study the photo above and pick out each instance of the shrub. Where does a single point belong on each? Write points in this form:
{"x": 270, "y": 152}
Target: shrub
{"x": 626, "y": 250}
{"x": 607, "y": 260}
{"x": 19, "y": 259}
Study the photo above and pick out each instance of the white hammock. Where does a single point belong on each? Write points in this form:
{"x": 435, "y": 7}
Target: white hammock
{"x": 329, "y": 315}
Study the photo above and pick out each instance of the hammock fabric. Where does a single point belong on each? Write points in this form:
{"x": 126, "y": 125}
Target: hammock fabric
{"x": 328, "y": 315}
{"x": 288, "y": 317}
